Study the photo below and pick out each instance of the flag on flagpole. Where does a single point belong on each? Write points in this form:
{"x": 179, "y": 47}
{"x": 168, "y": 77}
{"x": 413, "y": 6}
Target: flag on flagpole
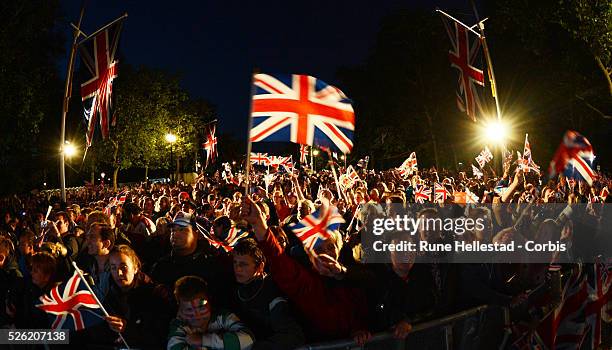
{"x": 301, "y": 109}
{"x": 476, "y": 172}
{"x": 422, "y": 193}
{"x": 574, "y": 158}
{"x": 318, "y": 226}
{"x": 484, "y": 157}
{"x": 303, "y": 154}
{"x": 211, "y": 144}
{"x": 259, "y": 158}
{"x": 233, "y": 236}
{"x": 441, "y": 194}
{"x": 463, "y": 55}
{"x": 71, "y": 301}
{"x": 409, "y": 166}
{"x": 98, "y": 57}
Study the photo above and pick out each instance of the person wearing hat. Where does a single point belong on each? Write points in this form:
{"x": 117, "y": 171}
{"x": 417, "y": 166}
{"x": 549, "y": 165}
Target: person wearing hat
{"x": 191, "y": 256}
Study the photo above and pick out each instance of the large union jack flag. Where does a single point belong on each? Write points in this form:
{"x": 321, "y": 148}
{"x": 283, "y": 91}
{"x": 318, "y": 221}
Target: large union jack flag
{"x": 71, "y": 300}
{"x": 210, "y": 145}
{"x": 301, "y": 109}
{"x": 463, "y": 57}
{"x": 98, "y": 57}
{"x": 574, "y": 158}
{"x": 318, "y": 226}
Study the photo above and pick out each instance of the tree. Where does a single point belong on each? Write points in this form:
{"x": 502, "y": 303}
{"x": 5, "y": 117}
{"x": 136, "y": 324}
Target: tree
{"x": 30, "y": 89}
{"x": 148, "y": 104}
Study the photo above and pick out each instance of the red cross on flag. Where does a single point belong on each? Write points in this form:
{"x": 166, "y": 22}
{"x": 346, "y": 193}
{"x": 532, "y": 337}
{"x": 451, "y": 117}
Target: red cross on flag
{"x": 301, "y": 109}
{"x": 98, "y": 58}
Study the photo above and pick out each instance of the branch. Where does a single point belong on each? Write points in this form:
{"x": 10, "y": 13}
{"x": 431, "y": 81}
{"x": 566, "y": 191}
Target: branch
{"x": 605, "y": 116}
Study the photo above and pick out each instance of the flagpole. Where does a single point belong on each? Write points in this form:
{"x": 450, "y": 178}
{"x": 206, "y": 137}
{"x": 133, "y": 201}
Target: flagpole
{"x": 67, "y": 93}
{"x": 249, "y": 143}
{"x": 103, "y": 28}
{"x": 485, "y": 48}
{"x": 76, "y": 267}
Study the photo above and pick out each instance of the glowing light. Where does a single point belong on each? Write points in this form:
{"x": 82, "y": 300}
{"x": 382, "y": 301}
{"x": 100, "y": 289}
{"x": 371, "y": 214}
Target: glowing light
{"x": 315, "y": 152}
{"x": 69, "y": 150}
{"x": 496, "y": 132}
{"x": 171, "y": 138}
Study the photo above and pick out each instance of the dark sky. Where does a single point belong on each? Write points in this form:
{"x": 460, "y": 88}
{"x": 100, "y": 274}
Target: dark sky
{"x": 215, "y": 45}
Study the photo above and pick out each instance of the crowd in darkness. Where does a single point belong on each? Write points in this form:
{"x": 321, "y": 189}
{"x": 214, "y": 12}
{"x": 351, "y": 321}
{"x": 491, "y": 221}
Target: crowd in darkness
{"x": 148, "y": 250}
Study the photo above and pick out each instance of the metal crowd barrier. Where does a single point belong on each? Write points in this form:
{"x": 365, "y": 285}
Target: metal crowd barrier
{"x": 481, "y": 327}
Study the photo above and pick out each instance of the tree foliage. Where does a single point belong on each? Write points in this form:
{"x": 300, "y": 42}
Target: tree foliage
{"x": 149, "y": 104}
{"x": 29, "y": 86}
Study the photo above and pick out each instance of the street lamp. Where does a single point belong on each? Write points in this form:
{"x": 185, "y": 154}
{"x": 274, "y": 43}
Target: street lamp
{"x": 314, "y": 153}
{"x": 69, "y": 150}
{"x": 171, "y": 139}
{"x": 102, "y": 175}
{"x": 496, "y": 132}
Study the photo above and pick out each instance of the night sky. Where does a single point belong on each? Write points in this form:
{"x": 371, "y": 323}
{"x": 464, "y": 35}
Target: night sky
{"x": 215, "y": 45}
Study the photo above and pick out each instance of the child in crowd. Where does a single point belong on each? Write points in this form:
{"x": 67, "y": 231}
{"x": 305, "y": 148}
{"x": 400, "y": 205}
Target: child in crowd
{"x": 198, "y": 325}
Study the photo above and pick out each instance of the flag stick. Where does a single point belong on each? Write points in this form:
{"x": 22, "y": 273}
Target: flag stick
{"x": 76, "y": 267}
{"x": 249, "y": 143}
{"x": 485, "y": 48}
{"x": 103, "y": 28}
{"x": 458, "y": 21}
{"x": 331, "y": 163}
{"x": 67, "y": 93}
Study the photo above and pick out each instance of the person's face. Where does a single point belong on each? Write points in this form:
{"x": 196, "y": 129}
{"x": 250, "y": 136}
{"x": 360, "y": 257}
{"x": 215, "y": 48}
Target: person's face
{"x": 25, "y": 247}
{"x": 148, "y": 206}
{"x": 182, "y": 238}
{"x": 123, "y": 270}
{"x": 402, "y": 262}
{"x": 39, "y": 217}
{"x": 39, "y": 278}
{"x": 245, "y": 268}
{"x": 358, "y": 197}
{"x": 278, "y": 198}
{"x": 95, "y": 245}
{"x": 62, "y": 225}
{"x": 196, "y": 313}
{"x": 292, "y": 199}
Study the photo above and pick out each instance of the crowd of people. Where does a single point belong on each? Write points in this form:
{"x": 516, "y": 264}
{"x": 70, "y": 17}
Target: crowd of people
{"x": 201, "y": 265}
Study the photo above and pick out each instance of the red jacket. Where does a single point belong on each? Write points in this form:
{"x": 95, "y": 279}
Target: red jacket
{"x": 333, "y": 309}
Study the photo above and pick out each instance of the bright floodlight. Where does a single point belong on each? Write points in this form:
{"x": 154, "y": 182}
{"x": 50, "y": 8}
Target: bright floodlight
{"x": 171, "y": 138}
{"x": 496, "y": 132}
{"x": 69, "y": 150}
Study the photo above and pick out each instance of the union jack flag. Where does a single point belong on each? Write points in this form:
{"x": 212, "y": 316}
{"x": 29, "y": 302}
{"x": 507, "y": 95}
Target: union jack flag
{"x": 276, "y": 161}
{"x": 463, "y": 57}
{"x": 211, "y": 144}
{"x": 303, "y": 154}
{"x": 260, "y": 159}
{"x": 604, "y": 193}
{"x": 301, "y": 109}
{"x": 598, "y": 303}
{"x": 484, "y": 157}
{"x": 441, "y": 194}
{"x": 233, "y": 236}
{"x": 471, "y": 197}
{"x": 318, "y": 226}
{"x": 526, "y": 162}
{"x": 574, "y": 158}
{"x": 348, "y": 180}
{"x": 71, "y": 300}
{"x": 422, "y": 193}
{"x": 98, "y": 57}
{"x": 476, "y": 172}
{"x": 409, "y": 166}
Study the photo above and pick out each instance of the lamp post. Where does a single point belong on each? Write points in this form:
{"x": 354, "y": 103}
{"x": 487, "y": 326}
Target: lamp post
{"x": 314, "y": 165}
{"x": 67, "y": 151}
{"x": 171, "y": 138}
{"x": 102, "y": 175}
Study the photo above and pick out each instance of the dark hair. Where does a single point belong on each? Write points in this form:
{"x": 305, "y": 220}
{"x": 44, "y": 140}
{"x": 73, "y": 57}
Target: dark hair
{"x": 28, "y": 236}
{"x": 64, "y": 214}
{"x": 249, "y": 247}
{"x": 190, "y": 287}
{"x": 45, "y": 262}
{"x": 106, "y": 233}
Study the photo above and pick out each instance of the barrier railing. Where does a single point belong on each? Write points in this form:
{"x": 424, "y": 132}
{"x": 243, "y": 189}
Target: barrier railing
{"x": 462, "y": 330}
